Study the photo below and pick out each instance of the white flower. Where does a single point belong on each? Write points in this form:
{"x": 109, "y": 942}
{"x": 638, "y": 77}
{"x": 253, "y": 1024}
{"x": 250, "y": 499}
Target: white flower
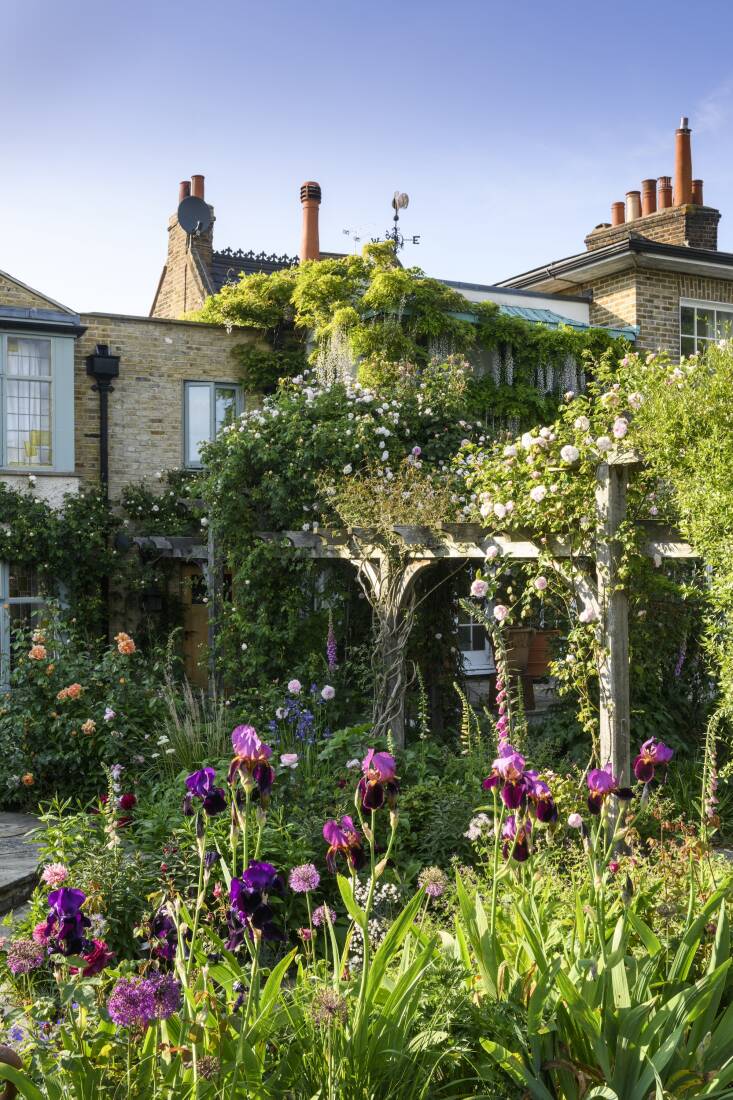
{"x": 243, "y": 646}
{"x": 479, "y": 588}
{"x": 620, "y": 427}
{"x": 588, "y": 615}
{"x": 289, "y": 759}
{"x": 328, "y": 692}
{"x": 528, "y": 440}
{"x": 204, "y": 521}
{"x": 569, "y": 454}
{"x": 603, "y": 443}
{"x": 582, "y": 423}
{"x": 510, "y": 451}
{"x": 499, "y": 510}
{"x": 538, "y": 493}
{"x": 635, "y": 400}
{"x": 109, "y": 714}
{"x": 351, "y": 764}
{"x": 348, "y": 468}
{"x": 492, "y": 553}
{"x": 31, "y": 479}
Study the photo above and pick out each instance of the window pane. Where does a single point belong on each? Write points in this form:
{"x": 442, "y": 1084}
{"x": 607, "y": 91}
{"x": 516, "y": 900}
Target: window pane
{"x": 687, "y": 321}
{"x": 22, "y": 581}
{"x": 226, "y": 406}
{"x": 724, "y": 324}
{"x": 29, "y": 358}
{"x": 28, "y": 423}
{"x": 688, "y": 346}
{"x": 198, "y": 421}
{"x": 705, "y": 322}
{"x": 479, "y": 637}
{"x": 464, "y": 638}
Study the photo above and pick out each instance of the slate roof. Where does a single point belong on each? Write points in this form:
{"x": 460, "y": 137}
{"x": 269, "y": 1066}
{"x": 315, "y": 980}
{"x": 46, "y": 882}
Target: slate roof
{"x": 230, "y": 263}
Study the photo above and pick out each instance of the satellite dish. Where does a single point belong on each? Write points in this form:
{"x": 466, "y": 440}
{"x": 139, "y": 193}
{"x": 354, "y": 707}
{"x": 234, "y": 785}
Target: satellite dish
{"x": 194, "y": 215}
{"x": 400, "y": 200}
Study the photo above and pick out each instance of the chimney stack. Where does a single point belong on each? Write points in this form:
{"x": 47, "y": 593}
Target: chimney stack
{"x": 184, "y": 190}
{"x": 664, "y": 192}
{"x": 617, "y": 213}
{"x": 310, "y": 197}
{"x": 197, "y": 187}
{"x": 697, "y": 193}
{"x": 682, "y": 165}
{"x": 633, "y": 205}
{"x": 648, "y": 197}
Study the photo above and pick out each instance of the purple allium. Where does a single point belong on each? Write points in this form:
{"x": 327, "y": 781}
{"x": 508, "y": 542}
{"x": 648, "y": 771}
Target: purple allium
{"x": 131, "y": 1003}
{"x": 166, "y": 996}
{"x": 329, "y": 1007}
{"x": 322, "y": 915}
{"x": 24, "y": 956}
{"x": 433, "y": 881}
{"x": 303, "y": 879}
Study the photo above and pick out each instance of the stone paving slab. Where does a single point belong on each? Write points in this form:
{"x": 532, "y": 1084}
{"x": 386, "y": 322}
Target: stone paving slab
{"x": 18, "y": 859}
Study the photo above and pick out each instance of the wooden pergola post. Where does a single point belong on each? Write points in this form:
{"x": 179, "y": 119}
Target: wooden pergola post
{"x": 613, "y": 627}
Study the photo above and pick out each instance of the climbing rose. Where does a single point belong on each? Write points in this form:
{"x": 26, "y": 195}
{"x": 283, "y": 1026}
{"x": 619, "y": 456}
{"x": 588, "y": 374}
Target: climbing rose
{"x": 540, "y": 583}
{"x": 603, "y": 443}
{"x": 620, "y": 427}
{"x": 37, "y": 653}
{"x": 479, "y": 588}
{"x": 328, "y": 692}
{"x": 582, "y": 423}
{"x": 538, "y": 493}
{"x": 569, "y": 454}
{"x": 500, "y": 612}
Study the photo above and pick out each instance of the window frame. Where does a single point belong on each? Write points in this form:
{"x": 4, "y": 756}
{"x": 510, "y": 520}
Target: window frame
{"x": 62, "y": 402}
{"x": 702, "y": 304}
{"x": 6, "y": 602}
{"x": 212, "y": 387}
{"x": 476, "y": 662}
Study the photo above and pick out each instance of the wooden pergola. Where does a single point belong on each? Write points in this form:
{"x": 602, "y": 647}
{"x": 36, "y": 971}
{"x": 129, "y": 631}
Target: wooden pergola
{"x": 603, "y": 593}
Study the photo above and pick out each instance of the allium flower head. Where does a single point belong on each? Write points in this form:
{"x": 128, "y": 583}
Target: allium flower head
{"x": 322, "y": 914}
{"x": 329, "y": 1007}
{"x": 303, "y": 879}
{"x": 24, "y": 956}
{"x": 433, "y": 881}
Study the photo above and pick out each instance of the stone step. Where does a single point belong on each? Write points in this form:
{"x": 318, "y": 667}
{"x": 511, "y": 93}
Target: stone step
{"x": 18, "y": 859}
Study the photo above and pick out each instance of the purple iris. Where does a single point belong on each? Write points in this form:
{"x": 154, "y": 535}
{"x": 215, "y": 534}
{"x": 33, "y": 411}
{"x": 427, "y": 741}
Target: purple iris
{"x": 508, "y": 772}
{"x": 652, "y": 754}
{"x": 541, "y": 798}
{"x": 516, "y": 838}
{"x": 602, "y": 783}
{"x": 343, "y": 839}
{"x": 379, "y": 780}
{"x": 200, "y": 785}
{"x": 163, "y": 936}
{"x": 66, "y": 923}
{"x": 251, "y": 761}
{"x": 250, "y": 912}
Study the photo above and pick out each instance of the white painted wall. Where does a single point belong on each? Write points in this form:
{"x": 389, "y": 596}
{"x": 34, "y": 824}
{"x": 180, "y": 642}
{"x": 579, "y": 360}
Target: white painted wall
{"x": 47, "y": 487}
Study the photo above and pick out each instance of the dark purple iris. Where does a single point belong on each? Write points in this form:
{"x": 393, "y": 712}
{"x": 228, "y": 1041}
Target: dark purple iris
{"x": 516, "y": 838}
{"x": 163, "y": 936}
{"x": 200, "y": 785}
{"x": 250, "y": 912}
{"x": 652, "y": 754}
{"x": 602, "y": 783}
{"x": 251, "y": 761}
{"x": 343, "y": 839}
{"x": 508, "y": 772}
{"x": 378, "y": 782}
{"x": 542, "y": 801}
{"x": 66, "y": 923}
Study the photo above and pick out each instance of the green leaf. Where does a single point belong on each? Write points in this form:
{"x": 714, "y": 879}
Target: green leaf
{"x": 356, "y": 913}
{"x": 23, "y": 1085}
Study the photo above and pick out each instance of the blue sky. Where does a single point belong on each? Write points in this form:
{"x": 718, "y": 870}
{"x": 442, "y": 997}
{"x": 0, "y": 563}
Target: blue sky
{"x": 512, "y": 126}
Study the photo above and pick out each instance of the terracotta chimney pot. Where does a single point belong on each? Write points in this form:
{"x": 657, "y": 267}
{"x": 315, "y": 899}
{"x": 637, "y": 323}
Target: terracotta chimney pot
{"x": 618, "y": 213}
{"x": 664, "y": 192}
{"x": 310, "y": 197}
{"x": 633, "y": 205}
{"x": 197, "y": 187}
{"x": 697, "y": 193}
{"x": 648, "y": 197}
{"x": 184, "y": 190}
{"x": 682, "y": 165}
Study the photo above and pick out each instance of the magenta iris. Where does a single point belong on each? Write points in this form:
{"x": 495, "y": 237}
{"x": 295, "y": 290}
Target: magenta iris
{"x": 516, "y": 838}
{"x": 602, "y": 783}
{"x": 378, "y": 783}
{"x": 652, "y": 754}
{"x": 343, "y": 839}
{"x": 251, "y": 761}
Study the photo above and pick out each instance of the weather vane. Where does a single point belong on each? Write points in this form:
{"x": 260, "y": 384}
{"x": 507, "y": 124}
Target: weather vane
{"x": 400, "y": 201}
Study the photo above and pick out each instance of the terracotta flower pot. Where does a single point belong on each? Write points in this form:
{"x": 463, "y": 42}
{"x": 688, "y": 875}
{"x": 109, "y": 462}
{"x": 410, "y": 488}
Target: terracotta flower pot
{"x": 517, "y": 647}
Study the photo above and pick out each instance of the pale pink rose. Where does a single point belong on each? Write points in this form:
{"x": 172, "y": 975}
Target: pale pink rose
{"x": 500, "y": 612}
{"x": 635, "y": 400}
{"x": 499, "y": 510}
{"x": 492, "y": 553}
{"x": 620, "y": 427}
{"x": 538, "y": 493}
{"x": 294, "y": 687}
{"x": 603, "y": 443}
{"x": 479, "y": 588}
{"x": 569, "y": 454}
{"x": 289, "y": 759}
{"x": 587, "y": 615}
{"x": 328, "y": 692}
{"x": 575, "y": 821}
{"x": 581, "y": 423}
{"x": 540, "y": 583}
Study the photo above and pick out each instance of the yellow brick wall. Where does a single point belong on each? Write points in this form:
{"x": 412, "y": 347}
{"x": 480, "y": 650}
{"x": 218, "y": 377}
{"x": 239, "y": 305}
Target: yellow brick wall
{"x": 15, "y": 294}
{"x": 146, "y": 407}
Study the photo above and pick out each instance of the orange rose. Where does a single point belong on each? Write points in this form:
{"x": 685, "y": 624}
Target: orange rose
{"x": 89, "y": 727}
{"x": 125, "y": 644}
{"x": 27, "y": 780}
{"x": 37, "y": 653}
{"x": 73, "y": 691}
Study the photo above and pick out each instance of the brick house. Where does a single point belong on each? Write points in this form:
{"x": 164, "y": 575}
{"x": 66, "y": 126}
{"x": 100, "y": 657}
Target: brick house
{"x": 655, "y": 266}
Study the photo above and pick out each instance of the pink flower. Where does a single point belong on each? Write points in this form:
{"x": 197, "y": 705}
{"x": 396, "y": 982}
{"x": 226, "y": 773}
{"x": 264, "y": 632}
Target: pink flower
{"x": 500, "y": 612}
{"x": 289, "y": 759}
{"x": 540, "y": 583}
{"x": 499, "y": 510}
{"x": 620, "y": 427}
{"x": 328, "y": 692}
{"x": 41, "y": 933}
{"x": 603, "y": 443}
{"x": 587, "y": 615}
{"x": 54, "y": 874}
{"x": 492, "y": 553}
{"x": 538, "y": 493}
{"x": 569, "y": 454}
{"x": 295, "y": 687}
{"x": 575, "y": 821}
{"x": 479, "y": 588}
